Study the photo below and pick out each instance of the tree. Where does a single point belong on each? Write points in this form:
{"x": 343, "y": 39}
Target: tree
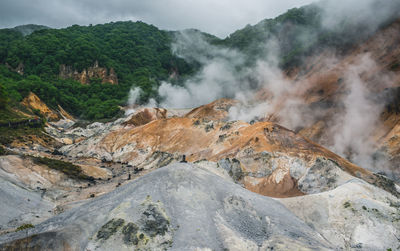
{"x": 3, "y": 97}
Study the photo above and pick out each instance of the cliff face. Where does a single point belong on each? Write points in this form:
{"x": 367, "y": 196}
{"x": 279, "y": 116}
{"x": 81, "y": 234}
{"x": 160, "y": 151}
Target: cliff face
{"x": 84, "y": 77}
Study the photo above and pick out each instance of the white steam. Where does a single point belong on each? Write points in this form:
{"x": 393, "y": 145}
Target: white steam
{"x": 133, "y": 98}
{"x": 353, "y": 131}
{"x": 217, "y": 79}
{"x": 224, "y": 74}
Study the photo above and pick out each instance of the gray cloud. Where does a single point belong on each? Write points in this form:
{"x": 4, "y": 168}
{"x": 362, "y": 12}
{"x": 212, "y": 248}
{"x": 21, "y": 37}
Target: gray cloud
{"x": 216, "y": 17}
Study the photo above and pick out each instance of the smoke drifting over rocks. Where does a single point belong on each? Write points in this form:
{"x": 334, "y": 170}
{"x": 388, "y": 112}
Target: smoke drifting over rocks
{"x": 352, "y": 133}
{"x": 225, "y": 74}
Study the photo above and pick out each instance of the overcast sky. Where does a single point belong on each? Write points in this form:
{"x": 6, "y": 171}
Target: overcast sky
{"x": 218, "y": 17}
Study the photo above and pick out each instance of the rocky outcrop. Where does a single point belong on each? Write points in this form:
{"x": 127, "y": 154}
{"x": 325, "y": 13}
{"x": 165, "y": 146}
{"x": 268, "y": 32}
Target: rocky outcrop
{"x": 146, "y": 115}
{"x": 65, "y": 114}
{"x": 217, "y": 110}
{"x": 33, "y": 102}
{"x": 58, "y": 117}
{"x": 92, "y": 72}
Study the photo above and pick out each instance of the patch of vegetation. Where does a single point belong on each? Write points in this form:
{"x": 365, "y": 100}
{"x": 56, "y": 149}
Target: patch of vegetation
{"x": 395, "y": 66}
{"x": 130, "y": 231}
{"x": 155, "y": 221}
{"x": 3, "y": 97}
{"x": 23, "y": 134}
{"x": 196, "y": 123}
{"x": 71, "y": 170}
{"x": 209, "y": 127}
{"x": 3, "y": 151}
{"x": 110, "y": 228}
{"x": 227, "y": 126}
{"x": 394, "y": 204}
{"x": 8, "y": 115}
{"x": 14, "y": 125}
{"x": 24, "y": 226}
{"x": 348, "y": 205}
{"x": 143, "y": 238}
{"x": 221, "y": 138}
{"x": 386, "y": 184}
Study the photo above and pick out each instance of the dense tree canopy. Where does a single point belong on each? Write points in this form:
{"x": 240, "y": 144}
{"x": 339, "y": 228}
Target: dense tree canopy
{"x": 140, "y": 54}
{"x": 299, "y": 32}
{"x": 3, "y": 97}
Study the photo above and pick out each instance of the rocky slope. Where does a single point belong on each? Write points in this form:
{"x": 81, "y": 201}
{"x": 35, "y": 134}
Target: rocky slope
{"x": 355, "y": 216}
{"x": 176, "y": 207}
{"x": 248, "y": 185}
{"x": 186, "y": 207}
{"x": 335, "y": 84}
{"x": 265, "y": 157}
{"x": 160, "y": 210}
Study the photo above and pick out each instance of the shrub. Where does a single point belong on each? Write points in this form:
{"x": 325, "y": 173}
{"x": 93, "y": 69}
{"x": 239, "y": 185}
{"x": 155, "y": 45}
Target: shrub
{"x": 24, "y": 226}
{"x": 71, "y": 170}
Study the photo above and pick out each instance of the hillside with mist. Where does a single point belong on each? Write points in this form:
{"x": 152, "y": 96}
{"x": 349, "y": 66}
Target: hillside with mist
{"x": 143, "y": 56}
{"x": 308, "y": 30}
{"x": 282, "y": 136}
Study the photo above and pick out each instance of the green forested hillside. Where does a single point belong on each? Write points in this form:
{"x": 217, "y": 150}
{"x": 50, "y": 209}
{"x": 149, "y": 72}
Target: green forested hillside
{"x": 301, "y": 31}
{"x": 139, "y": 53}
{"x": 293, "y": 33}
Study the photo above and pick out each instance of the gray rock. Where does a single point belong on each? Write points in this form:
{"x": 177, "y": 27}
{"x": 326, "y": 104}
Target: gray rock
{"x": 232, "y": 166}
{"x": 322, "y": 176}
{"x": 178, "y": 207}
{"x": 20, "y": 206}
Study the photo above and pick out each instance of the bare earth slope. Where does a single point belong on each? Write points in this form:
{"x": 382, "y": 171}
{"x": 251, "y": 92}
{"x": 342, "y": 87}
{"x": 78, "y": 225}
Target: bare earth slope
{"x": 179, "y": 207}
{"x": 272, "y": 160}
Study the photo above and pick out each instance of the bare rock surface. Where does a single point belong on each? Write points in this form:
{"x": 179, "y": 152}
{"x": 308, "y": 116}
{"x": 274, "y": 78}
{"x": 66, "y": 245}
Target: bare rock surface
{"x": 267, "y": 158}
{"x": 21, "y": 206}
{"x": 178, "y": 207}
{"x": 354, "y": 216}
